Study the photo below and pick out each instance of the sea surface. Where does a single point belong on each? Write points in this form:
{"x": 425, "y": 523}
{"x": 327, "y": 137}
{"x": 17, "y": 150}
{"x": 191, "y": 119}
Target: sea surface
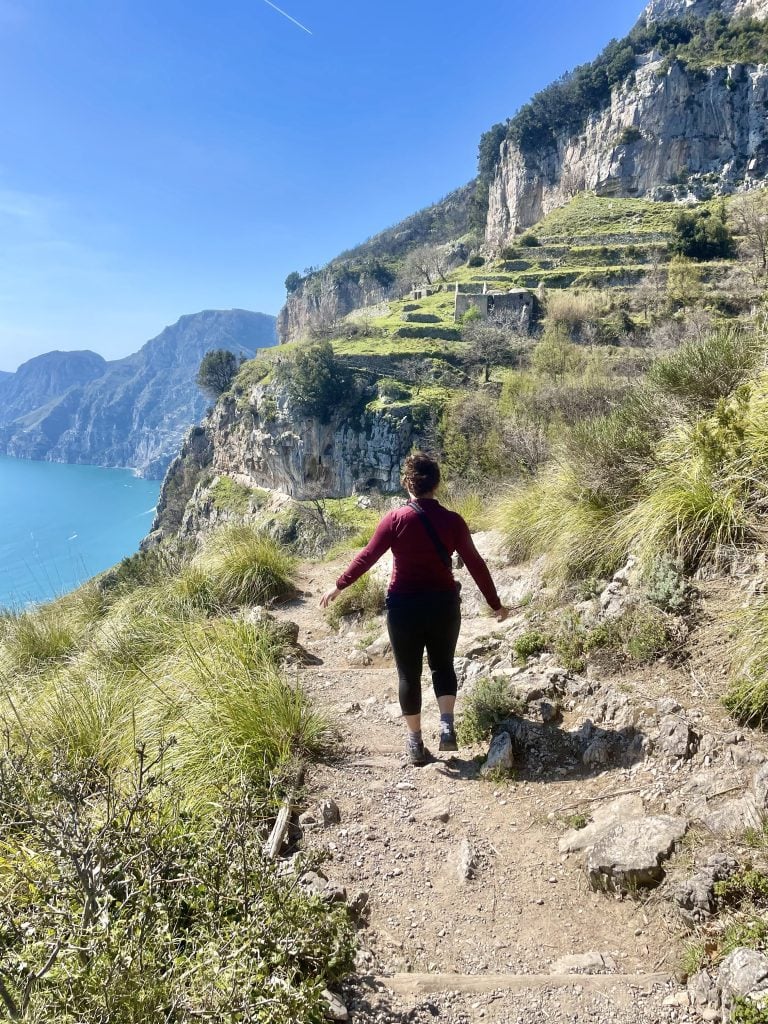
{"x": 60, "y": 525}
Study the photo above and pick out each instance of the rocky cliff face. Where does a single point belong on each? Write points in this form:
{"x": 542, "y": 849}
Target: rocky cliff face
{"x": 261, "y": 440}
{"x": 709, "y": 126}
{"x": 659, "y": 10}
{"x": 44, "y": 379}
{"x": 325, "y": 298}
{"x": 75, "y": 407}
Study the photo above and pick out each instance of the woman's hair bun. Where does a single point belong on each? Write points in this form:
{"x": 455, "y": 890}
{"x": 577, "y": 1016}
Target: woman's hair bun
{"x": 421, "y": 473}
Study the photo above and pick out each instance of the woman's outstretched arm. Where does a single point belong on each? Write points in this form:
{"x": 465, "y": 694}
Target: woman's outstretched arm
{"x": 379, "y": 543}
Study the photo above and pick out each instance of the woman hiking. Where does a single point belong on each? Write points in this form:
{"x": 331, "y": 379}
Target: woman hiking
{"x": 423, "y": 603}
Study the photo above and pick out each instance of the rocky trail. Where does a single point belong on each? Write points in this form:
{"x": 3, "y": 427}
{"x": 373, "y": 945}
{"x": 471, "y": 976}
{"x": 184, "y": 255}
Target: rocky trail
{"x": 531, "y": 897}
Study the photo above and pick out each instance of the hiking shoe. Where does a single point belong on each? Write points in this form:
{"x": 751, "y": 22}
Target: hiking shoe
{"x": 448, "y": 740}
{"x": 416, "y": 754}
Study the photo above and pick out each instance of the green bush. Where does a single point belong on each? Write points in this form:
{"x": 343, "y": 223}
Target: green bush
{"x": 316, "y": 380}
{"x": 747, "y": 694}
{"x": 703, "y": 235}
{"x": 131, "y": 906}
{"x": 528, "y": 241}
{"x": 246, "y": 567}
{"x": 744, "y": 1011}
{"x": 629, "y": 135}
{"x": 489, "y": 703}
{"x": 530, "y": 643}
{"x": 217, "y": 371}
{"x": 476, "y": 261}
{"x": 364, "y": 598}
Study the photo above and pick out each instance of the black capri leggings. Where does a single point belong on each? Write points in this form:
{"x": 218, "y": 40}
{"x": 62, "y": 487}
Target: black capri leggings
{"x": 416, "y": 622}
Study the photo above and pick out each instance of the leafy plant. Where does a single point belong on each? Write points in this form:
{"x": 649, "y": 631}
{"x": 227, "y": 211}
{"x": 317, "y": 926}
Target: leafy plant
{"x": 530, "y": 643}
{"x": 490, "y": 702}
{"x": 666, "y": 585}
{"x": 217, "y": 371}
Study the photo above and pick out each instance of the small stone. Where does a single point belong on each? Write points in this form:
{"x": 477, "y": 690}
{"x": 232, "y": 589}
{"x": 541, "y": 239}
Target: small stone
{"x": 583, "y": 963}
{"x": 500, "y": 756}
{"x": 335, "y": 1010}
{"x": 436, "y": 810}
{"x": 358, "y": 659}
{"x": 676, "y": 999}
{"x": 329, "y": 812}
{"x": 467, "y": 861}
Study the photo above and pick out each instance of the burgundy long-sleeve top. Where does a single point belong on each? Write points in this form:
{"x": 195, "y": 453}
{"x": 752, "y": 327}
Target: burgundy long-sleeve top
{"x": 418, "y": 568}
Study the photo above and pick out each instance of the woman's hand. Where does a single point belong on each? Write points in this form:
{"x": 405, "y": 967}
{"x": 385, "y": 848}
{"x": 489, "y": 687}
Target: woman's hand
{"x": 501, "y": 614}
{"x": 326, "y": 599}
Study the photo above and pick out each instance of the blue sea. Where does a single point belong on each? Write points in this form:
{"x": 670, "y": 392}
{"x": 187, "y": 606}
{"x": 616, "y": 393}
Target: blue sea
{"x": 60, "y": 525}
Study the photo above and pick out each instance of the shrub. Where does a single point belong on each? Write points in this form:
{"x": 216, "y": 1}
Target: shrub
{"x": 317, "y": 382}
{"x": 293, "y": 282}
{"x": 629, "y": 135}
{"x": 641, "y": 634}
{"x": 530, "y": 643}
{"x": 528, "y": 240}
{"x": 246, "y": 567}
{"x": 703, "y": 235}
{"x": 364, "y": 598}
{"x": 745, "y": 1011}
{"x": 490, "y": 702}
{"x": 702, "y": 372}
{"x": 131, "y": 905}
{"x": 476, "y": 261}
{"x": 666, "y": 585}
{"x": 555, "y": 356}
{"x": 230, "y": 496}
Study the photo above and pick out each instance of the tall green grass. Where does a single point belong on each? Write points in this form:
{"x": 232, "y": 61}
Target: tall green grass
{"x": 680, "y": 469}
{"x": 160, "y": 655}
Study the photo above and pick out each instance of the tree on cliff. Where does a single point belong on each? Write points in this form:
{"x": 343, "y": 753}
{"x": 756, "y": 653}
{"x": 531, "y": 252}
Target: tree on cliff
{"x": 217, "y": 371}
{"x": 316, "y": 381}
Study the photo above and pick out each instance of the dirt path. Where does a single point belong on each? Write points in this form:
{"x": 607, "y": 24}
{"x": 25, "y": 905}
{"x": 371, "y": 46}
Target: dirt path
{"x": 441, "y": 945}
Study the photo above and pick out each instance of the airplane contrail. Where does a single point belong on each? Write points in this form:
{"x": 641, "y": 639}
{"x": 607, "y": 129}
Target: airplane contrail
{"x": 286, "y": 15}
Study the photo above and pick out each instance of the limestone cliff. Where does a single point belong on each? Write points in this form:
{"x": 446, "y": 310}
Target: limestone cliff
{"x": 666, "y": 124}
{"x": 659, "y": 10}
{"x": 261, "y": 440}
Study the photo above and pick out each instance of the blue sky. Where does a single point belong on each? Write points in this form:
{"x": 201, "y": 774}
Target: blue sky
{"x": 161, "y": 157}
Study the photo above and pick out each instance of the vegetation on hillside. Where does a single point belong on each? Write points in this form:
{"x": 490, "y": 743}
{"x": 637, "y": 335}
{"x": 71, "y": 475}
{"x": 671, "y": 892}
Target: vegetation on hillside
{"x": 149, "y": 732}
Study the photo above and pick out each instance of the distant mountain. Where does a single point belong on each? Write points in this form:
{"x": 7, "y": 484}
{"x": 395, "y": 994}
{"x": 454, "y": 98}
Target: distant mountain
{"x": 133, "y": 412}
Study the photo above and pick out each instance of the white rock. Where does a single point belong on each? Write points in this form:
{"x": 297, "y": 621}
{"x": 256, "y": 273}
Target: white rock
{"x": 500, "y": 755}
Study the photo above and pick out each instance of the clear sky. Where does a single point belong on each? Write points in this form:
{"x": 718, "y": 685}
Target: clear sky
{"x": 161, "y": 157}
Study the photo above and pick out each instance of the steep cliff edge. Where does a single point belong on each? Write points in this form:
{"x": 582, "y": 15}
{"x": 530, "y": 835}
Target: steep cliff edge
{"x": 262, "y": 440}
{"x": 679, "y": 102}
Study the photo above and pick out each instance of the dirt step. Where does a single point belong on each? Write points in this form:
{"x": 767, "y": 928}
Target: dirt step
{"x": 424, "y": 984}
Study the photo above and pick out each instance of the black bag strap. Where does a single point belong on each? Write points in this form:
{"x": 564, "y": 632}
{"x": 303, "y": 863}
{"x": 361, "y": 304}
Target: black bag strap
{"x": 441, "y": 549}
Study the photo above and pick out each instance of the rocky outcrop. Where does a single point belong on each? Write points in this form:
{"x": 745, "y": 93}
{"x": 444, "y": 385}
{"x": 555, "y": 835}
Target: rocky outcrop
{"x": 660, "y": 10}
{"x": 133, "y": 412}
{"x": 262, "y": 440}
{"x": 365, "y": 275}
{"x": 666, "y": 123}
{"x": 326, "y": 297}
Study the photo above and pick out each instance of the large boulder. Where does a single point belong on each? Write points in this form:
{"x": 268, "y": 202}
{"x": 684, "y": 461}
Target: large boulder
{"x": 630, "y": 857}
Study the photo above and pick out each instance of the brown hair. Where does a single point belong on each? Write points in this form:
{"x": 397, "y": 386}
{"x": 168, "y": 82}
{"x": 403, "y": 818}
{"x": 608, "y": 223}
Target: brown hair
{"x": 421, "y": 474}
